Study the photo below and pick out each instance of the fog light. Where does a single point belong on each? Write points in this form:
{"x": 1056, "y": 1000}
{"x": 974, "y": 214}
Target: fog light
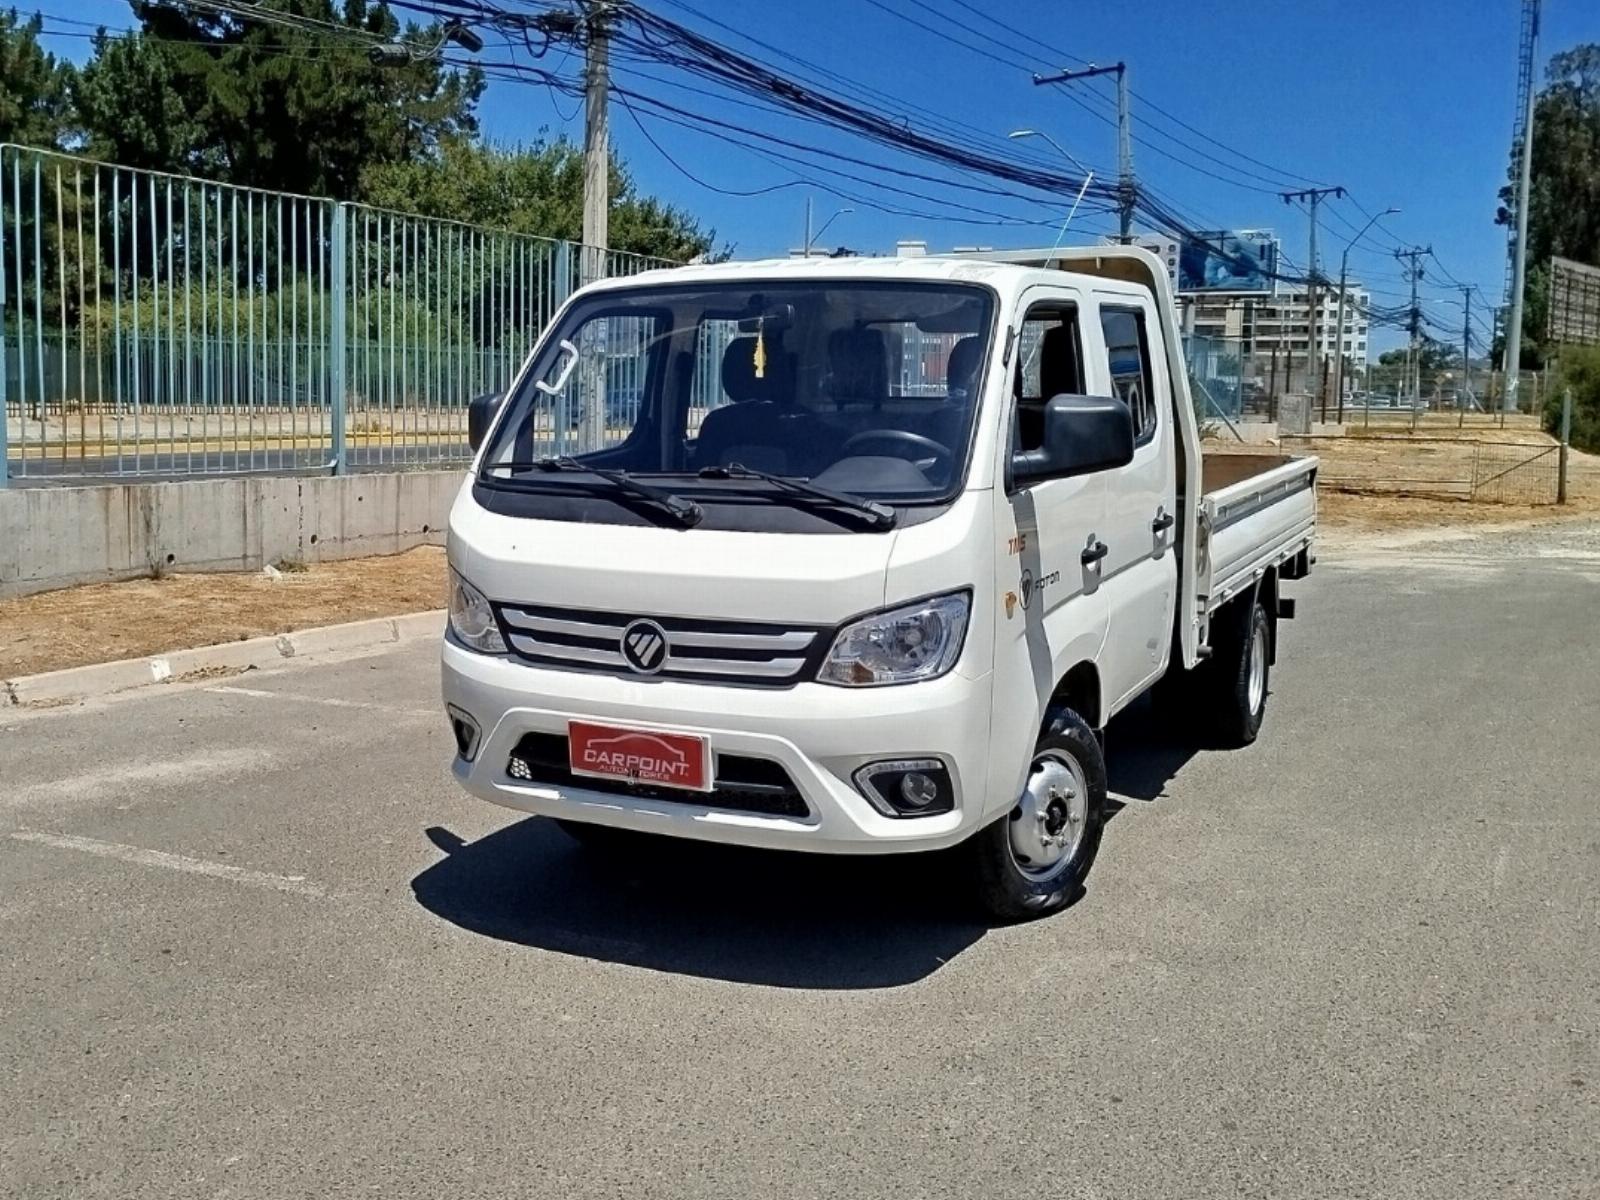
{"x": 907, "y": 787}
{"x": 918, "y": 790}
{"x": 466, "y": 731}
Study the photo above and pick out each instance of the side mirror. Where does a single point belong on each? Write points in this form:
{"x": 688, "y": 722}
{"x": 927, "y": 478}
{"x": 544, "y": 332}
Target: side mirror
{"x": 1082, "y": 434}
{"x": 480, "y": 415}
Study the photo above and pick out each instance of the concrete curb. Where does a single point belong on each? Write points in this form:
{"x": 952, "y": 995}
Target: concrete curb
{"x": 100, "y": 679}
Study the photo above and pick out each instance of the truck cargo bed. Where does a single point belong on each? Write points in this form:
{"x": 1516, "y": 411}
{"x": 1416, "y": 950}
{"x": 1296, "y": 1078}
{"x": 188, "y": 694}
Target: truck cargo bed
{"x": 1260, "y": 510}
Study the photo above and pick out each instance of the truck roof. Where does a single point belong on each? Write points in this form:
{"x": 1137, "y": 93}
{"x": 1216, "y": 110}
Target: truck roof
{"x": 1023, "y": 267}
{"x": 924, "y": 267}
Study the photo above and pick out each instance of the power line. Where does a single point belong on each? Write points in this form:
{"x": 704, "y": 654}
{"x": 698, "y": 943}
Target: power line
{"x": 871, "y": 94}
{"x": 1280, "y": 175}
{"x": 732, "y": 135}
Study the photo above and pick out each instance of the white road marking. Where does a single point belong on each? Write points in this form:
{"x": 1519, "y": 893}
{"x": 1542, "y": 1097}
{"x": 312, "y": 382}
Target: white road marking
{"x": 329, "y": 701}
{"x": 122, "y": 779}
{"x": 298, "y": 884}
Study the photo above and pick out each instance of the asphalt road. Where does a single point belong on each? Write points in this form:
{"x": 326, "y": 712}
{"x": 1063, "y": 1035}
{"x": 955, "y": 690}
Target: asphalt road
{"x": 256, "y": 945}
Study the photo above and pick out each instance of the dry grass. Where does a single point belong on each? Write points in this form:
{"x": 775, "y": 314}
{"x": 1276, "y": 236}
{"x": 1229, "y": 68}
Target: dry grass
{"x": 1386, "y": 480}
{"x": 103, "y": 622}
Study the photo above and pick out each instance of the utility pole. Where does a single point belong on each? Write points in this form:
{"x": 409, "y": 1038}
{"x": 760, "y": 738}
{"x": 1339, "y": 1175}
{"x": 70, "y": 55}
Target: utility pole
{"x": 806, "y": 245}
{"x": 1127, "y": 191}
{"x": 1414, "y": 273}
{"x": 1313, "y": 197}
{"x": 1466, "y": 350}
{"x": 1526, "y": 52}
{"x": 596, "y": 140}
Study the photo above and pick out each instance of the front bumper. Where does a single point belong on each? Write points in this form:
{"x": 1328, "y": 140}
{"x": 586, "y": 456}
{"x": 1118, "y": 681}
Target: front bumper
{"x": 817, "y": 733}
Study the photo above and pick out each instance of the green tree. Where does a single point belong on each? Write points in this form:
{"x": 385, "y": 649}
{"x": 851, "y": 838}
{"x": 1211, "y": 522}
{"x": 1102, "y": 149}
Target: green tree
{"x": 1564, "y": 196}
{"x": 292, "y": 103}
{"x": 1432, "y": 356}
{"x": 34, "y": 100}
{"x": 1580, "y": 372}
{"x": 134, "y": 112}
{"x": 536, "y": 189}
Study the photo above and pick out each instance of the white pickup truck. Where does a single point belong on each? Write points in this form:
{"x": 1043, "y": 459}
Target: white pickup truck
{"x": 857, "y": 557}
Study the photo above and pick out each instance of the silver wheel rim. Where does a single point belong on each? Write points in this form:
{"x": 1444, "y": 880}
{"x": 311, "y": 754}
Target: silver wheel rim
{"x": 1257, "y": 688}
{"x": 1051, "y": 816}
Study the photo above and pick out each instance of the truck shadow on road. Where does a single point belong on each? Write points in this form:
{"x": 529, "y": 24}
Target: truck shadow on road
{"x": 1146, "y": 748}
{"x": 745, "y": 916}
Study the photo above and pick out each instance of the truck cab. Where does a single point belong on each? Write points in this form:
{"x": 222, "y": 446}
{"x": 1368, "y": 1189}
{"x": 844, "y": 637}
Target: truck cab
{"x": 865, "y": 563}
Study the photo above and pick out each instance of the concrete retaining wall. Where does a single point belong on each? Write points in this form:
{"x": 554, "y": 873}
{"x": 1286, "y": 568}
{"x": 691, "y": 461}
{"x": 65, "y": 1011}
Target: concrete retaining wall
{"x": 53, "y": 537}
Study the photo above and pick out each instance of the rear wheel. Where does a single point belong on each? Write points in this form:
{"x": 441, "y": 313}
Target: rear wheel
{"x": 1239, "y": 672}
{"x": 1034, "y": 860}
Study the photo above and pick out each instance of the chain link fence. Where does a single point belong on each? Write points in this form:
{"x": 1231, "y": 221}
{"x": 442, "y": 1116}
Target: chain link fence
{"x": 161, "y": 325}
{"x": 1454, "y": 468}
{"x": 1234, "y": 382}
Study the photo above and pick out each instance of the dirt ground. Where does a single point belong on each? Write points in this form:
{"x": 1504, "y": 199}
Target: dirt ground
{"x": 1391, "y": 481}
{"x": 103, "y": 622}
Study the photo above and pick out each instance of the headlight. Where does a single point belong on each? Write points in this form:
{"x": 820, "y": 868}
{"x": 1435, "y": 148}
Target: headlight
{"x": 471, "y": 619}
{"x": 900, "y": 645}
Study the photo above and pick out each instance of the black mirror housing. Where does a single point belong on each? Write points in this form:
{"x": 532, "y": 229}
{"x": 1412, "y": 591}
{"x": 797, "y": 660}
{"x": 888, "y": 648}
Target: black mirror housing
{"x": 1082, "y": 434}
{"x": 480, "y": 415}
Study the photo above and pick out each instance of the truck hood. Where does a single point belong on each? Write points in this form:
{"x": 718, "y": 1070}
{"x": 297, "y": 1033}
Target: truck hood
{"x": 814, "y": 579}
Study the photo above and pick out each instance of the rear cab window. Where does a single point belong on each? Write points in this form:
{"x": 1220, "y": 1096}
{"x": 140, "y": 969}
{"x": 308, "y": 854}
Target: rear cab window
{"x": 1128, "y": 360}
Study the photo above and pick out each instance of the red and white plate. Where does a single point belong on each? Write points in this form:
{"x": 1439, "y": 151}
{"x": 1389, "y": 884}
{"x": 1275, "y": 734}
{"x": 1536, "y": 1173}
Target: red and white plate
{"x": 676, "y": 760}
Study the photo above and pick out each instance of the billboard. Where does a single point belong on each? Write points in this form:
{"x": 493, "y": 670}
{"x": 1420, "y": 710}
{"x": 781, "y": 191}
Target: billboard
{"x": 1574, "y": 314}
{"x": 1224, "y": 261}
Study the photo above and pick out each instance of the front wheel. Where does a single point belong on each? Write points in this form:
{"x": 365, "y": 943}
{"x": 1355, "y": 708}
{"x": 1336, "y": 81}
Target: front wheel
{"x": 1034, "y": 860}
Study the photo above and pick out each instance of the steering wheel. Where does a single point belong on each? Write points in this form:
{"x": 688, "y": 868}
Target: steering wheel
{"x": 927, "y": 452}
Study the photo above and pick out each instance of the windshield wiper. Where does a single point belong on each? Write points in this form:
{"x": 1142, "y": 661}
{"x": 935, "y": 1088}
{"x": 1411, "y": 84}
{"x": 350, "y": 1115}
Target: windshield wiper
{"x": 685, "y": 512}
{"x": 878, "y": 516}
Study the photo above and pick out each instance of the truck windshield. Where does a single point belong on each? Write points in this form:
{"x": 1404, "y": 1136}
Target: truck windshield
{"x": 864, "y": 388}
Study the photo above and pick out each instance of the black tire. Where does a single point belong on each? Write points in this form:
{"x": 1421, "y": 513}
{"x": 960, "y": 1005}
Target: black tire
{"x": 1009, "y": 891}
{"x": 1242, "y": 634}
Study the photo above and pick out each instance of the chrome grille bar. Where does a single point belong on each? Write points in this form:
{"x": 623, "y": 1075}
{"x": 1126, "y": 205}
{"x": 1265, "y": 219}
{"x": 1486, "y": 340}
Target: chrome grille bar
{"x": 772, "y": 668}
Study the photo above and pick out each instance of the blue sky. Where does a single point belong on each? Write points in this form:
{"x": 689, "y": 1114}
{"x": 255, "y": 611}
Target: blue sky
{"x": 1405, "y": 104}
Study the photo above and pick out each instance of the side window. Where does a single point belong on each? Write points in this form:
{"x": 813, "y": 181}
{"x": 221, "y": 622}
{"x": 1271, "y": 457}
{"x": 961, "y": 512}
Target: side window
{"x": 1049, "y": 363}
{"x": 1128, "y": 349}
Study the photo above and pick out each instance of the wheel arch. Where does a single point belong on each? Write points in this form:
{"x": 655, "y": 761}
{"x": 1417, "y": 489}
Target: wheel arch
{"x": 1079, "y": 689}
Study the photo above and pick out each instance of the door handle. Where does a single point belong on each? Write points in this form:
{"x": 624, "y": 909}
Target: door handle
{"x": 1094, "y": 554}
{"x": 1162, "y": 523}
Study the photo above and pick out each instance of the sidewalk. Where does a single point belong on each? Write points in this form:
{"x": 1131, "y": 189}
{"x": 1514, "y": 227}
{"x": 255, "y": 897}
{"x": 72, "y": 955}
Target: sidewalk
{"x": 105, "y": 622}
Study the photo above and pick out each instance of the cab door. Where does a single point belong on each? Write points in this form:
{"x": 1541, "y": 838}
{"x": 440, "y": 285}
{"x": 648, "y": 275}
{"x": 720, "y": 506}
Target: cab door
{"x": 1050, "y": 613}
{"x": 1140, "y": 576}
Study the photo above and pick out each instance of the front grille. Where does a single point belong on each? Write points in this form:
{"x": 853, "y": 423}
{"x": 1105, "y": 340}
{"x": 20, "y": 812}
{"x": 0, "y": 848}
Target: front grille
{"x": 740, "y": 784}
{"x": 742, "y": 652}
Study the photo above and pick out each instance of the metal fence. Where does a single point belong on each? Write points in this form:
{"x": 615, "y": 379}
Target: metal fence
{"x": 1455, "y": 468}
{"x": 155, "y": 324}
{"x": 1233, "y": 381}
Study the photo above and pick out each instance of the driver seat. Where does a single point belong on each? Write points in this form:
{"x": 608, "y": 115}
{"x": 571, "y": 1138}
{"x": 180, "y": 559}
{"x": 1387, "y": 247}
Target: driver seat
{"x": 757, "y": 425}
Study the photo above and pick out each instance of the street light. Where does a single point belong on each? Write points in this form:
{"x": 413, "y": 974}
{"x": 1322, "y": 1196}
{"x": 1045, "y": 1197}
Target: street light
{"x": 1344, "y": 277}
{"x": 1071, "y": 158}
{"x": 1060, "y": 149}
{"x": 398, "y": 53}
{"x": 811, "y": 238}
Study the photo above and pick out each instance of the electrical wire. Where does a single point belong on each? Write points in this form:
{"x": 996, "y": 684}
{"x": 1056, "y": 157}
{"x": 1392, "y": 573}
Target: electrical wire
{"x": 1145, "y": 102}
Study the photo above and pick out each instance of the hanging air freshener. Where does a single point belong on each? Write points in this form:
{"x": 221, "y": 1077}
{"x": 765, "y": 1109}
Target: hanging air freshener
{"x": 760, "y": 359}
